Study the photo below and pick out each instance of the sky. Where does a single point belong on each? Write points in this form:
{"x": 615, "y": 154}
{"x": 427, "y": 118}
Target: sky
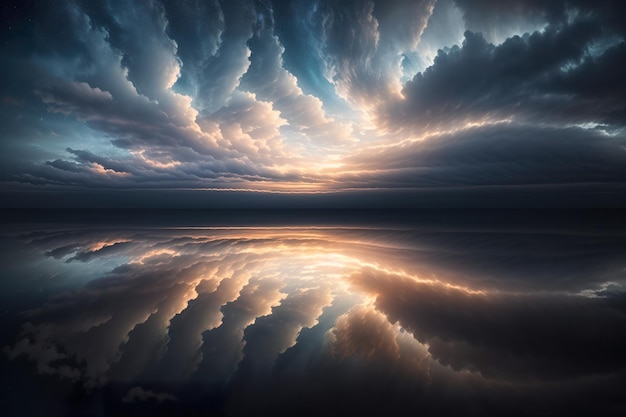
{"x": 355, "y": 103}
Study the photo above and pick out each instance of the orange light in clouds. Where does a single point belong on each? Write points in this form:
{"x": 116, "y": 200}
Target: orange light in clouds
{"x": 155, "y": 164}
{"x": 154, "y": 253}
{"x": 101, "y": 170}
{"x": 316, "y": 252}
{"x": 287, "y": 276}
{"x": 338, "y": 171}
{"x": 106, "y": 243}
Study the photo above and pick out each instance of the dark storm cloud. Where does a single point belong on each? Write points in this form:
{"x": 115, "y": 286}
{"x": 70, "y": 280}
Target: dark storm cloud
{"x": 116, "y": 73}
{"x": 269, "y": 81}
{"x": 361, "y": 43}
{"x": 503, "y": 154}
{"x": 509, "y": 337}
{"x": 215, "y": 69}
{"x": 198, "y": 27}
{"x": 65, "y": 165}
{"x": 566, "y": 74}
{"x": 108, "y": 163}
{"x": 294, "y": 26}
{"x": 481, "y": 14}
{"x": 140, "y": 394}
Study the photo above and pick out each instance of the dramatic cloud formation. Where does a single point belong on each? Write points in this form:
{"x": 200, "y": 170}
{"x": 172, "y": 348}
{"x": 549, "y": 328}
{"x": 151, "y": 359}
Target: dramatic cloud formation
{"x": 442, "y": 101}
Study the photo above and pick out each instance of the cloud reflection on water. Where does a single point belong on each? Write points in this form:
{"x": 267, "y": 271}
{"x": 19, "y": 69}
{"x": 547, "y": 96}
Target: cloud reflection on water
{"x": 254, "y": 315}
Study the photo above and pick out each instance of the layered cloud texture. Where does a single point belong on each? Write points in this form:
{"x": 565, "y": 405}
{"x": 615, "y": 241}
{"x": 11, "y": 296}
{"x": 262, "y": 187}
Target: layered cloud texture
{"x": 314, "y": 97}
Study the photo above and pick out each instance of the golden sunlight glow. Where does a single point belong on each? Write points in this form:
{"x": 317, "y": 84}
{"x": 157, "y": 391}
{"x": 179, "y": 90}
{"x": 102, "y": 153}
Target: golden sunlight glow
{"x": 236, "y": 278}
{"x": 467, "y": 125}
{"x": 101, "y": 170}
{"x": 154, "y": 253}
{"x": 315, "y": 252}
{"x": 331, "y": 172}
{"x": 96, "y": 246}
{"x": 154, "y": 164}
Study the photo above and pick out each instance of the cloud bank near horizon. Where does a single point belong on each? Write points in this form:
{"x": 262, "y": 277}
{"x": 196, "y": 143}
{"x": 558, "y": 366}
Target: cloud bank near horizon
{"x": 309, "y": 97}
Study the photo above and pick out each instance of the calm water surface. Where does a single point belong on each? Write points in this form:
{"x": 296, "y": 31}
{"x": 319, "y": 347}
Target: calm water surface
{"x": 438, "y": 314}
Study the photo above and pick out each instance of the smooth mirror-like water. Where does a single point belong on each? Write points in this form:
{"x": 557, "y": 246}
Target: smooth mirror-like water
{"x": 452, "y": 313}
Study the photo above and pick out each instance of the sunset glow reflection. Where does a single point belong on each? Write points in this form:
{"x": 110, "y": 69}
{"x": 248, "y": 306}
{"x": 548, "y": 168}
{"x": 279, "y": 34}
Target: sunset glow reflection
{"x": 250, "y": 309}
